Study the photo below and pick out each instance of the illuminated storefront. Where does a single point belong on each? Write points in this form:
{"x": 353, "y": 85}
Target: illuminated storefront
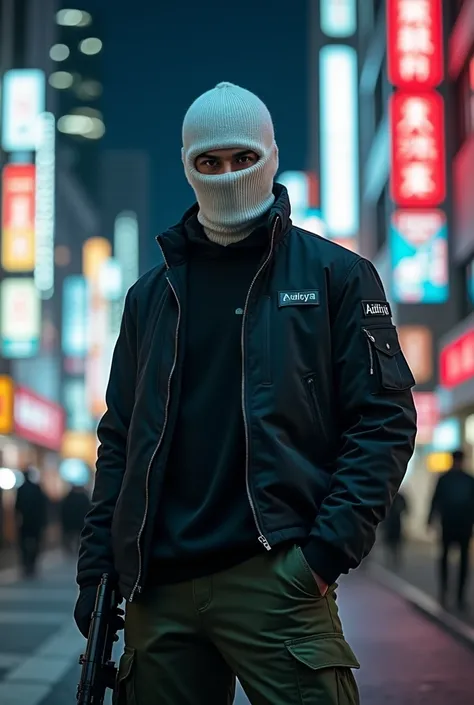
{"x": 31, "y": 433}
{"x": 456, "y": 363}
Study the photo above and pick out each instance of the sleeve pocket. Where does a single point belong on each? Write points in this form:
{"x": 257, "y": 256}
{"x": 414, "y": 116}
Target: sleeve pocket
{"x": 393, "y": 372}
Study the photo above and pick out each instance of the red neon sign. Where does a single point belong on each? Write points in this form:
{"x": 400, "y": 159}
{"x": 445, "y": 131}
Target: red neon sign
{"x": 457, "y": 361}
{"x": 415, "y": 43}
{"x": 418, "y": 177}
{"x": 38, "y": 420}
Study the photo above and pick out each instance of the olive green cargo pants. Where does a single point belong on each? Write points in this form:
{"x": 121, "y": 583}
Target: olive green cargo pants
{"x": 263, "y": 621}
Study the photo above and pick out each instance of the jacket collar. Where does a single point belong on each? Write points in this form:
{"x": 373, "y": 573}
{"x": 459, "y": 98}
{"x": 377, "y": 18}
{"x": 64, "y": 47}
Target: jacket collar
{"x": 173, "y": 242}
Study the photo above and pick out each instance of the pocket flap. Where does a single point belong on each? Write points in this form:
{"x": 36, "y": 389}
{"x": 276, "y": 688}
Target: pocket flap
{"x": 323, "y": 651}
{"x": 385, "y": 340}
{"x": 126, "y": 664}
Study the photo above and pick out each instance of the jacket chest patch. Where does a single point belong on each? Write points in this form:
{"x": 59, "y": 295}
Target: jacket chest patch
{"x": 303, "y": 297}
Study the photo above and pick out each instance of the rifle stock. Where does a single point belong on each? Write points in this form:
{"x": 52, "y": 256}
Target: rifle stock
{"x": 98, "y": 670}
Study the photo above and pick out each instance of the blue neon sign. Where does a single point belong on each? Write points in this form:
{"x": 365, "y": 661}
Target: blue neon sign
{"x": 338, "y": 18}
{"x": 419, "y": 255}
{"x": 339, "y": 141}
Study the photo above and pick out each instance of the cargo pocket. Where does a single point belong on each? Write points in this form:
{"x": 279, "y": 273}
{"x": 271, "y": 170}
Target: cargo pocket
{"x": 387, "y": 362}
{"x": 323, "y": 666}
{"x": 124, "y": 691}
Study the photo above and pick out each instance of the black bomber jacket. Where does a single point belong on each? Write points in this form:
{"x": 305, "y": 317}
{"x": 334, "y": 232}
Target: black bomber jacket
{"x": 329, "y": 417}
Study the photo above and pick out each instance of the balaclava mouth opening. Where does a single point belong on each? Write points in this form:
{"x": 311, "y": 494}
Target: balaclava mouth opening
{"x": 231, "y": 204}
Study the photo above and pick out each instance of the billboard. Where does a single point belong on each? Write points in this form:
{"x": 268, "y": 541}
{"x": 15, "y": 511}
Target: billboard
{"x": 418, "y": 173}
{"x": 339, "y": 140}
{"x": 427, "y": 409}
{"x": 417, "y": 345}
{"x": 20, "y": 318}
{"x": 45, "y": 205}
{"x": 415, "y": 43}
{"x": 38, "y": 420}
{"x": 18, "y": 217}
{"x": 23, "y": 100}
{"x": 75, "y": 338}
{"x": 419, "y": 255}
{"x": 456, "y": 364}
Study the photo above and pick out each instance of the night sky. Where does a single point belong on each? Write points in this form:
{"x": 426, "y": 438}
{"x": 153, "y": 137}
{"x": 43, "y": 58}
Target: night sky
{"x": 161, "y": 57}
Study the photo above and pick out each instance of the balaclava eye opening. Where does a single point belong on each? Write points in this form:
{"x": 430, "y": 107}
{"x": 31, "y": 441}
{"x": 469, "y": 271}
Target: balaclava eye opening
{"x": 230, "y": 117}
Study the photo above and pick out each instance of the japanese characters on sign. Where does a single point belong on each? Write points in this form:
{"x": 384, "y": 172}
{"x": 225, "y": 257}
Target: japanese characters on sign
{"x": 457, "y": 361}
{"x": 18, "y": 218}
{"x": 418, "y": 176}
{"x": 419, "y": 253}
{"x": 415, "y": 43}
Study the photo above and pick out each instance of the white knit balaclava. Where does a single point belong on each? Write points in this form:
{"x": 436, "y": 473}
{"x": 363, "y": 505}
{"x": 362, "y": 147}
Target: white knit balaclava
{"x": 230, "y": 117}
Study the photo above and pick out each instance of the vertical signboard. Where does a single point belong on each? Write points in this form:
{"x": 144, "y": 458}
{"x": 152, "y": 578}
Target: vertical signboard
{"x": 415, "y": 43}
{"x": 419, "y": 254}
{"x": 45, "y": 205}
{"x": 419, "y": 230}
{"x": 18, "y": 217}
{"x": 20, "y": 317}
{"x": 126, "y": 247}
{"x": 75, "y": 336}
{"x": 23, "y": 99}
{"x": 338, "y": 18}
{"x": 418, "y": 176}
{"x": 339, "y": 142}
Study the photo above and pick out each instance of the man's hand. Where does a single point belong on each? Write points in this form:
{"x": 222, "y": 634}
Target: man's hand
{"x": 84, "y": 608}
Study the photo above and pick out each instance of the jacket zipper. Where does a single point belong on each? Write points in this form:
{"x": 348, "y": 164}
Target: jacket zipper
{"x": 261, "y": 536}
{"x": 137, "y": 587}
{"x": 370, "y": 340}
{"x": 316, "y": 410}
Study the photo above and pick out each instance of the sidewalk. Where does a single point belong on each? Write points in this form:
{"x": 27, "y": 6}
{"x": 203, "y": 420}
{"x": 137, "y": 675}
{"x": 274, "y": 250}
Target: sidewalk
{"x": 417, "y": 581}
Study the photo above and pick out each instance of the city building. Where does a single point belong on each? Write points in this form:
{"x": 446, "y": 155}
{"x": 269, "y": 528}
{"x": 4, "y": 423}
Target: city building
{"x": 414, "y": 198}
{"x": 47, "y": 213}
{"x": 456, "y": 350}
{"x": 77, "y": 78}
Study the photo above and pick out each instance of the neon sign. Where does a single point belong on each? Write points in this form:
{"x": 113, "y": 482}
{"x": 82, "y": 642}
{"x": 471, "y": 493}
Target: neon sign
{"x": 418, "y": 175}
{"x": 415, "y": 43}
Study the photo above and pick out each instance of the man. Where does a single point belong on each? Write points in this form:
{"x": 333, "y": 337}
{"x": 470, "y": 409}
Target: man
{"x": 74, "y": 507}
{"x": 259, "y": 422}
{"x": 31, "y": 510}
{"x": 453, "y": 506}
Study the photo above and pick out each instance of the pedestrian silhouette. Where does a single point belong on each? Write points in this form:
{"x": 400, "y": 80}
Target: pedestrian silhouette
{"x": 30, "y": 510}
{"x": 452, "y": 507}
{"x": 74, "y": 508}
{"x": 392, "y": 531}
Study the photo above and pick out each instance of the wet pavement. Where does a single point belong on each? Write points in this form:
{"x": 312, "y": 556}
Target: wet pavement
{"x": 405, "y": 658}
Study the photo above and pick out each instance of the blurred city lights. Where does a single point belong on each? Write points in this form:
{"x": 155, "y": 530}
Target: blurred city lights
{"x": 110, "y": 279}
{"x": 61, "y": 80}
{"x": 338, "y": 18}
{"x": 90, "y": 46}
{"x": 7, "y": 479}
{"x": 339, "y": 140}
{"x": 59, "y": 52}
{"x": 73, "y": 18}
{"x": 45, "y": 205}
{"x": 74, "y": 471}
{"x": 88, "y": 89}
{"x": 126, "y": 247}
{"x": 82, "y": 125}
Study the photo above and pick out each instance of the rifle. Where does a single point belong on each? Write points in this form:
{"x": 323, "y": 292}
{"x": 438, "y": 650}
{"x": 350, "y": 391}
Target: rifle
{"x": 98, "y": 670}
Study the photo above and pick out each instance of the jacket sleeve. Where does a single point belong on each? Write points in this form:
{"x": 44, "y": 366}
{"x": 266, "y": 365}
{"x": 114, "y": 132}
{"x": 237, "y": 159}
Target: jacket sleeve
{"x": 95, "y": 554}
{"x": 377, "y": 429}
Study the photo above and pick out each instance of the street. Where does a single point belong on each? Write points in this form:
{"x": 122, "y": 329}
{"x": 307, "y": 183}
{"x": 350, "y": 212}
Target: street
{"x": 405, "y": 659}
